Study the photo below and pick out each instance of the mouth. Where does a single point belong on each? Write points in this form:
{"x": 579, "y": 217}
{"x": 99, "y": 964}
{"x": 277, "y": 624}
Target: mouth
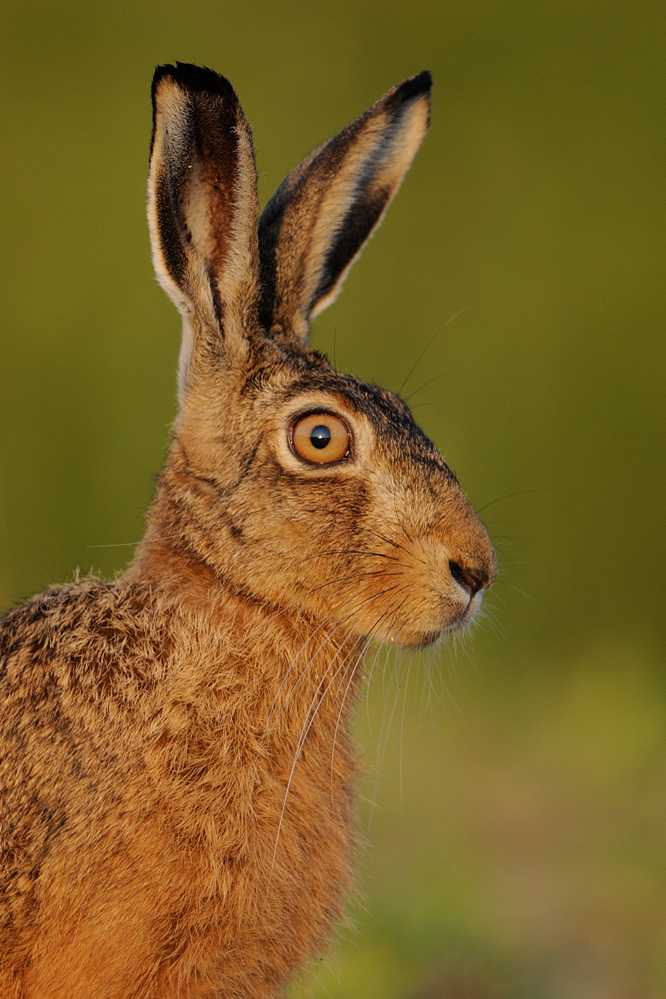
{"x": 469, "y": 613}
{"x": 424, "y": 639}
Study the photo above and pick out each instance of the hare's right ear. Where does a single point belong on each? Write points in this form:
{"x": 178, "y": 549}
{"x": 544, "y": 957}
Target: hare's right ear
{"x": 202, "y": 211}
{"x": 319, "y": 219}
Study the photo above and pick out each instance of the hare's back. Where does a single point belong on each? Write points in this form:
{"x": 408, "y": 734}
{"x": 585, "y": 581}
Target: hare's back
{"x": 76, "y": 668}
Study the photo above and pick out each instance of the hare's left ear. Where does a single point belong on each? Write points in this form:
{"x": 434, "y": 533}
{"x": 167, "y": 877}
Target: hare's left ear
{"x": 202, "y": 212}
{"x": 319, "y": 219}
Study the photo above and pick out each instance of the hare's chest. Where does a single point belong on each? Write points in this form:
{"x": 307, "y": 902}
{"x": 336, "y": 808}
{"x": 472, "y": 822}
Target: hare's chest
{"x": 283, "y": 886}
{"x": 260, "y": 867}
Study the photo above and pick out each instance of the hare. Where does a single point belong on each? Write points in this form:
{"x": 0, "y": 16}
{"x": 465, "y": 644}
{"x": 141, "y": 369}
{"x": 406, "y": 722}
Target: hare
{"x": 176, "y": 767}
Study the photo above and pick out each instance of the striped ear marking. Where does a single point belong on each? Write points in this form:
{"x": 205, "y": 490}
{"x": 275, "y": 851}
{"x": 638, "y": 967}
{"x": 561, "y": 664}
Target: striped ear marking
{"x": 319, "y": 219}
{"x": 202, "y": 200}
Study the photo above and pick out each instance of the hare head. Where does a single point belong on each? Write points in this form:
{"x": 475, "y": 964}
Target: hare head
{"x": 292, "y": 483}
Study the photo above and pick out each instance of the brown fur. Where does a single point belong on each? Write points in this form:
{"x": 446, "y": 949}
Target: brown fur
{"x": 176, "y": 771}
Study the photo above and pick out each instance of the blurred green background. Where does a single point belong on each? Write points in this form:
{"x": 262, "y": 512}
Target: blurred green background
{"x": 515, "y": 786}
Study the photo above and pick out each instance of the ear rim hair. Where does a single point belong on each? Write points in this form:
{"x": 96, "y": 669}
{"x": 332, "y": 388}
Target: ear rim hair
{"x": 320, "y": 218}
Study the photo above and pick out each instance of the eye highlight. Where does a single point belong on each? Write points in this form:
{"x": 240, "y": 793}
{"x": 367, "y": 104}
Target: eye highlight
{"x": 320, "y": 438}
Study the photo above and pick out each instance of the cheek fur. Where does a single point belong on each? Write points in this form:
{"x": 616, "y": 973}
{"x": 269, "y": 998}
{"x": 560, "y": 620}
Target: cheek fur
{"x": 306, "y": 542}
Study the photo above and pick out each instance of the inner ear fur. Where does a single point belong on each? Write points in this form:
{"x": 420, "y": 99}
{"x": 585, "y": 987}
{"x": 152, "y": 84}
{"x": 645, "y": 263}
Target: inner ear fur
{"x": 319, "y": 219}
{"x": 202, "y": 207}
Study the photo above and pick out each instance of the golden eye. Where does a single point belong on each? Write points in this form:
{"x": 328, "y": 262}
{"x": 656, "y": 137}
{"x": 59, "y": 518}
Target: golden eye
{"x": 320, "y": 438}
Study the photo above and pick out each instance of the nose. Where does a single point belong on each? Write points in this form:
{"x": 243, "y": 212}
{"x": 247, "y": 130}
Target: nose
{"x": 470, "y": 581}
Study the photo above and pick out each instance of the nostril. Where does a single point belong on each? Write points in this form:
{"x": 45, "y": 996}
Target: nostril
{"x": 464, "y": 578}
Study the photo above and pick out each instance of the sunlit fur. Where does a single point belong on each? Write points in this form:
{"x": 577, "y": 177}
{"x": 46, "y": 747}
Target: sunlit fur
{"x": 176, "y": 771}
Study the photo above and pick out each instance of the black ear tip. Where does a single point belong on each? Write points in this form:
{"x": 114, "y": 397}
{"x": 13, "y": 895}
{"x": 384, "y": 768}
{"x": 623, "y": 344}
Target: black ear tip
{"x": 414, "y": 86}
{"x": 196, "y": 79}
{"x": 410, "y": 90}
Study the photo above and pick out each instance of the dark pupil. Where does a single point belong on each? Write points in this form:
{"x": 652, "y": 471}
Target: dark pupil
{"x": 320, "y": 436}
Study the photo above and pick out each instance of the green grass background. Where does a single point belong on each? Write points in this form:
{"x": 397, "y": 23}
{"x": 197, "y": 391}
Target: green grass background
{"x": 515, "y": 783}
